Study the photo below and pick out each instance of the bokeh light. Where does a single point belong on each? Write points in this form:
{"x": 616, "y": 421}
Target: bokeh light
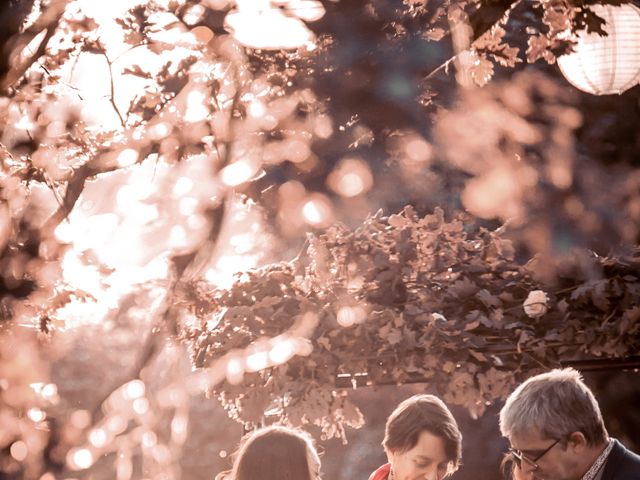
{"x": 351, "y": 177}
{"x": 19, "y": 450}
{"x": 318, "y": 210}
{"x": 80, "y": 459}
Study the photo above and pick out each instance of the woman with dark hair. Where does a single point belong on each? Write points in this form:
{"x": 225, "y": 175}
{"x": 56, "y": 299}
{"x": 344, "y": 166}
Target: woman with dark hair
{"x": 275, "y": 453}
{"x": 422, "y": 441}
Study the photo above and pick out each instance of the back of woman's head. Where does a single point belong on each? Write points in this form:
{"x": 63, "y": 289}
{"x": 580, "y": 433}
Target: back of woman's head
{"x": 276, "y": 453}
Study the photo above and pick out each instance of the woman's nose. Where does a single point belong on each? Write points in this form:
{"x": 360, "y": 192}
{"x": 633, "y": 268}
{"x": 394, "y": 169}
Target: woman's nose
{"x": 434, "y": 474}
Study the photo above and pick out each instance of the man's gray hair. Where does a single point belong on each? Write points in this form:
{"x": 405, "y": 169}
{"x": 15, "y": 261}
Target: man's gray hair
{"x": 557, "y": 403}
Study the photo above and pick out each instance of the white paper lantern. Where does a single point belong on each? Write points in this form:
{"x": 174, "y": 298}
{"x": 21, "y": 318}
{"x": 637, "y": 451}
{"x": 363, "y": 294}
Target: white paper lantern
{"x": 611, "y": 64}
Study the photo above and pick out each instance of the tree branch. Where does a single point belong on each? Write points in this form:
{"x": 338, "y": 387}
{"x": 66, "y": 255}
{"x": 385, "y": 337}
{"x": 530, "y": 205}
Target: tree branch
{"x": 112, "y": 96}
{"x": 185, "y": 267}
{"x": 48, "y": 21}
{"x": 481, "y": 21}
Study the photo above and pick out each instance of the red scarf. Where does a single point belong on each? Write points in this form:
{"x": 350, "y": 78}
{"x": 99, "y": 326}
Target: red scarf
{"x": 382, "y": 473}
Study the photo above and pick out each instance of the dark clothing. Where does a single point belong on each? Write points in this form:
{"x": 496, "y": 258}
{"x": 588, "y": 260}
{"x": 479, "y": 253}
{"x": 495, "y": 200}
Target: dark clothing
{"x": 622, "y": 464}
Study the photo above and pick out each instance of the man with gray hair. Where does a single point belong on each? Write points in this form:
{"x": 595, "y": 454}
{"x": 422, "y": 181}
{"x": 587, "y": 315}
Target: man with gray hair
{"x": 555, "y": 428}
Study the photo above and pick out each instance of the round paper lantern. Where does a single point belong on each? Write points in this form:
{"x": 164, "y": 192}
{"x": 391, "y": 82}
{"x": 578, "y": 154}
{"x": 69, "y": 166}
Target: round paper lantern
{"x": 611, "y": 64}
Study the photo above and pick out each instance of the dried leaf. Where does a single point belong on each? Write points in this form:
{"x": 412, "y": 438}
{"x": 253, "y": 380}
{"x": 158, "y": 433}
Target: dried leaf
{"x": 481, "y": 71}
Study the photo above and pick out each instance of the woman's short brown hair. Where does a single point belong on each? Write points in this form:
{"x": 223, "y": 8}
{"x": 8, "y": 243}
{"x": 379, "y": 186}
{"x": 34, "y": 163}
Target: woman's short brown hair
{"x": 423, "y": 413}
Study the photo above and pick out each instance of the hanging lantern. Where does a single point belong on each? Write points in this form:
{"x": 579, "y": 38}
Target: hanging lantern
{"x": 611, "y": 64}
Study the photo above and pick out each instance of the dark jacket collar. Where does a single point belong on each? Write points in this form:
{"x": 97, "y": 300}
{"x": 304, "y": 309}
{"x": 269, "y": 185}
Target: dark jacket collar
{"x": 622, "y": 464}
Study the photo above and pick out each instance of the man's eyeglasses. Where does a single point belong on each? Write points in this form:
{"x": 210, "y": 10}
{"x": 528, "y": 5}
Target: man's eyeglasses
{"x": 518, "y": 456}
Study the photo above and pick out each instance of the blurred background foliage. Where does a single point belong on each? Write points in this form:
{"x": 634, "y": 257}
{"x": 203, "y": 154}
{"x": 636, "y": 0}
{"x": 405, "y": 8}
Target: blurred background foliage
{"x": 155, "y": 153}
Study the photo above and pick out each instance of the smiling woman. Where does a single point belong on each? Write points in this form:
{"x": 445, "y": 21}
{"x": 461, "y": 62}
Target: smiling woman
{"x": 422, "y": 441}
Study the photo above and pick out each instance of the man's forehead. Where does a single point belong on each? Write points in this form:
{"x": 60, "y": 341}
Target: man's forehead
{"x": 527, "y": 439}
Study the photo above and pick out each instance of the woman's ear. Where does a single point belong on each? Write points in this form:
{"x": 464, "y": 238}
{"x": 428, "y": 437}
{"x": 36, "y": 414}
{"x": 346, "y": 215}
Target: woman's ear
{"x": 577, "y": 442}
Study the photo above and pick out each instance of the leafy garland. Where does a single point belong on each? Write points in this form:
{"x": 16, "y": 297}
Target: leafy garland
{"x": 404, "y": 299}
